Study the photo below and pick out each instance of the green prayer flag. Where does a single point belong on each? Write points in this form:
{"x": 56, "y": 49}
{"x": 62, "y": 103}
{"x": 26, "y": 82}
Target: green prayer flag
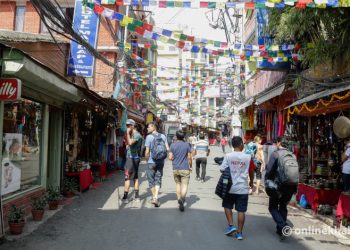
{"x": 172, "y": 41}
{"x": 90, "y": 5}
{"x": 211, "y": 5}
{"x": 183, "y": 37}
{"x": 138, "y": 23}
{"x": 217, "y": 44}
{"x": 170, "y": 4}
{"x": 131, "y": 27}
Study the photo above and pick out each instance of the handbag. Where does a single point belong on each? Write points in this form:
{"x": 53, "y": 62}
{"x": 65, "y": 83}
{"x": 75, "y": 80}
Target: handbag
{"x": 224, "y": 184}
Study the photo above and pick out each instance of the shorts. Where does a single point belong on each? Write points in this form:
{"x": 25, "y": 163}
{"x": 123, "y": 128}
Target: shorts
{"x": 239, "y": 200}
{"x": 132, "y": 168}
{"x": 257, "y": 170}
{"x": 154, "y": 174}
{"x": 182, "y": 176}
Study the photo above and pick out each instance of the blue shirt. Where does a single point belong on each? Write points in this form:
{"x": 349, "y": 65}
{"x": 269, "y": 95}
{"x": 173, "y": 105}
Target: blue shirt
{"x": 180, "y": 151}
{"x": 149, "y": 142}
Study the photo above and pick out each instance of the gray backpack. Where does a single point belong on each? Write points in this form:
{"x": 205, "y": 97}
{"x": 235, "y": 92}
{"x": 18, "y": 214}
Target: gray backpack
{"x": 288, "y": 168}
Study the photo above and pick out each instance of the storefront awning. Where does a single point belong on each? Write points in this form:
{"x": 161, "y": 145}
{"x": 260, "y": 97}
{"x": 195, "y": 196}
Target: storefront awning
{"x": 245, "y": 104}
{"x": 319, "y": 95}
{"x": 136, "y": 117}
{"x": 270, "y": 94}
{"x": 37, "y": 78}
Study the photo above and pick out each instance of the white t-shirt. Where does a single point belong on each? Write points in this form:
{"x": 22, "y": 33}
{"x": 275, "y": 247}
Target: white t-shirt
{"x": 346, "y": 164}
{"x": 239, "y": 164}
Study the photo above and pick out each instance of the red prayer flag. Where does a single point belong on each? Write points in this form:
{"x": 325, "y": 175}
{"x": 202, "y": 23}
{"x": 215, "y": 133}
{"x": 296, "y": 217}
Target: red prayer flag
{"x": 305, "y": 1}
{"x": 300, "y": 6}
{"x": 264, "y": 54}
{"x": 242, "y": 57}
{"x": 162, "y": 4}
{"x": 147, "y": 26}
{"x": 147, "y": 45}
{"x": 98, "y": 9}
{"x": 270, "y": 59}
{"x": 140, "y": 30}
{"x": 215, "y": 52}
{"x": 120, "y": 2}
{"x": 203, "y": 4}
{"x": 190, "y": 38}
{"x": 224, "y": 45}
{"x": 181, "y": 44}
{"x": 262, "y": 47}
{"x": 250, "y": 5}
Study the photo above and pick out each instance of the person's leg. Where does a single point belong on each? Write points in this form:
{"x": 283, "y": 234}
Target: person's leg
{"x": 158, "y": 182}
{"x": 178, "y": 184}
{"x": 241, "y": 205}
{"x": 287, "y": 193}
{"x": 204, "y": 168}
{"x": 185, "y": 179}
{"x": 136, "y": 177}
{"x": 240, "y": 221}
{"x": 346, "y": 182}
{"x": 128, "y": 175}
{"x": 229, "y": 217}
{"x": 198, "y": 165}
{"x": 258, "y": 178}
{"x": 151, "y": 177}
{"x": 274, "y": 202}
{"x": 227, "y": 204}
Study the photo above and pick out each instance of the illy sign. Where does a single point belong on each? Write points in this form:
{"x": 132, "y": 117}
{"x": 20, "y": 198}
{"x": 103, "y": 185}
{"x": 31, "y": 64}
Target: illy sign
{"x": 10, "y": 89}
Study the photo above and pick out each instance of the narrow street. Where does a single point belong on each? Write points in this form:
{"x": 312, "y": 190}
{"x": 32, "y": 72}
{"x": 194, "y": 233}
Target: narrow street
{"x": 97, "y": 220}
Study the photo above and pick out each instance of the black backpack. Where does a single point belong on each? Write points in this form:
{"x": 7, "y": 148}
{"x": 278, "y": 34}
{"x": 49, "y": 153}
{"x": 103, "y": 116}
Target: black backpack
{"x": 288, "y": 168}
{"x": 224, "y": 184}
{"x": 158, "y": 149}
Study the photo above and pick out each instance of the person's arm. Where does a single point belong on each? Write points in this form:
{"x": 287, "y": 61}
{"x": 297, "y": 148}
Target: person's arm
{"x": 271, "y": 167}
{"x": 147, "y": 145}
{"x": 224, "y": 164}
{"x": 166, "y": 144}
{"x": 345, "y": 155}
{"x": 189, "y": 158}
{"x": 171, "y": 156}
{"x": 251, "y": 173}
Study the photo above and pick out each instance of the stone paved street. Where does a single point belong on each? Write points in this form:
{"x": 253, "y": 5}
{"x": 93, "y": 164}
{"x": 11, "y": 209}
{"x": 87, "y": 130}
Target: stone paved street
{"x": 97, "y": 220}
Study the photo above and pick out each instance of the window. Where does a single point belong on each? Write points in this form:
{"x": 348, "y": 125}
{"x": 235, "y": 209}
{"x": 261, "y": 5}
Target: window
{"x": 20, "y": 14}
{"x": 211, "y": 102}
{"x": 68, "y": 14}
{"x": 21, "y": 146}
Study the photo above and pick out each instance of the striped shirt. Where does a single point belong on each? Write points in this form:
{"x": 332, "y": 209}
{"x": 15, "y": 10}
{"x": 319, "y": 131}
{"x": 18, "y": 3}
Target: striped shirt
{"x": 202, "y": 148}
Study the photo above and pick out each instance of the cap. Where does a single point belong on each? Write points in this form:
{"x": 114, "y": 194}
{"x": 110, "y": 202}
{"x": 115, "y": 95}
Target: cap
{"x": 130, "y": 122}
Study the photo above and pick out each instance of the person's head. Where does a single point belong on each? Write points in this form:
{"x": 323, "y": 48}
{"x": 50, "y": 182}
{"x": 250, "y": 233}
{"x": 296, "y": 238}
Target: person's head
{"x": 201, "y": 136}
{"x": 151, "y": 127}
{"x": 257, "y": 139}
{"x": 281, "y": 142}
{"x": 180, "y": 135}
{"x": 138, "y": 127}
{"x": 130, "y": 123}
{"x": 237, "y": 143}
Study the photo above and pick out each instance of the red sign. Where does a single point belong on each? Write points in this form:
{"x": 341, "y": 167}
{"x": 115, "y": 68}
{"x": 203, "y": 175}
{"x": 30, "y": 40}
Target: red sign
{"x": 10, "y": 89}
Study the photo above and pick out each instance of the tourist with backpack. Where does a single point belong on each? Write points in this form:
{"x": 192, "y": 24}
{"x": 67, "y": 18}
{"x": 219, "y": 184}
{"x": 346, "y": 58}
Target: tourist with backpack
{"x": 156, "y": 152}
{"x": 181, "y": 156}
{"x": 281, "y": 181}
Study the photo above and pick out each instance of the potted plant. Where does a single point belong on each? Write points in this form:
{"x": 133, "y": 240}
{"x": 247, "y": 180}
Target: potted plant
{"x": 69, "y": 186}
{"x": 16, "y": 220}
{"x": 38, "y": 208}
{"x": 53, "y": 196}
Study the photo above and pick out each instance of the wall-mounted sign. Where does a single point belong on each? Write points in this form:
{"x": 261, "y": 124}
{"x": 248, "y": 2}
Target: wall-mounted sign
{"x": 85, "y": 22}
{"x": 10, "y": 89}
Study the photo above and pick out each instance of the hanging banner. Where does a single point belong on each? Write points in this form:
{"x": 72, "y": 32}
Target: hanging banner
{"x": 85, "y": 22}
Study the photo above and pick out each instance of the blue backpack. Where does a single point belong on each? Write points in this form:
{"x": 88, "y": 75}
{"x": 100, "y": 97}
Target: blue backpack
{"x": 251, "y": 150}
{"x": 158, "y": 149}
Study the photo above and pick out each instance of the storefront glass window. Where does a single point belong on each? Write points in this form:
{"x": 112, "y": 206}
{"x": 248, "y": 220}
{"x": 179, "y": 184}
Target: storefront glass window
{"x": 21, "y": 146}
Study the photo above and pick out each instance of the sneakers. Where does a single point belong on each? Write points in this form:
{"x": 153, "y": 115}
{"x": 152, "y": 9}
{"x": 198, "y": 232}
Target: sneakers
{"x": 202, "y": 180}
{"x": 181, "y": 205}
{"x": 198, "y": 179}
{"x": 239, "y": 236}
{"x": 230, "y": 230}
{"x": 125, "y": 201}
{"x": 155, "y": 202}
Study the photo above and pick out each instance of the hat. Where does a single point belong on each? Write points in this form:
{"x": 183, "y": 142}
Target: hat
{"x": 341, "y": 127}
{"x": 130, "y": 122}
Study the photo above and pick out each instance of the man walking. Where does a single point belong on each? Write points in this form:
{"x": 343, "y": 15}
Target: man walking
{"x": 282, "y": 177}
{"x": 192, "y": 140}
{"x": 241, "y": 166}
{"x": 156, "y": 151}
{"x": 223, "y": 144}
{"x": 134, "y": 143}
{"x": 201, "y": 152}
{"x": 180, "y": 154}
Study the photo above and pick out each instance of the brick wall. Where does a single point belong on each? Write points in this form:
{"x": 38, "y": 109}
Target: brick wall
{"x": 7, "y": 10}
{"x": 104, "y": 75}
{"x": 22, "y": 201}
{"x": 31, "y": 20}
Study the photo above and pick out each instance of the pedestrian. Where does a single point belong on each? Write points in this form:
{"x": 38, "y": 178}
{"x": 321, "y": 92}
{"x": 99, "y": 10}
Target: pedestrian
{"x": 133, "y": 156}
{"x": 192, "y": 140}
{"x": 259, "y": 162}
{"x": 218, "y": 140}
{"x": 223, "y": 144}
{"x": 241, "y": 166}
{"x": 346, "y": 167}
{"x": 281, "y": 180}
{"x": 200, "y": 153}
{"x": 181, "y": 156}
{"x": 156, "y": 151}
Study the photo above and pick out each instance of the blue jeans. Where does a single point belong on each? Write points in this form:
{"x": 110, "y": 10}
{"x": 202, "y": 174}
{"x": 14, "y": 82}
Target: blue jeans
{"x": 346, "y": 182}
{"x": 154, "y": 174}
{"x": 278, "y": 205}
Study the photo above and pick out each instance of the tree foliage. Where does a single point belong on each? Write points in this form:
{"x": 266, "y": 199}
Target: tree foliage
{"x": 328, "y": 30}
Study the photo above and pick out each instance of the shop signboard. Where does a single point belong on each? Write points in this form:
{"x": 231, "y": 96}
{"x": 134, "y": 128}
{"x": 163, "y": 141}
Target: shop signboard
{"x": 85, "y": 22}
{"x": 10, "y": 89}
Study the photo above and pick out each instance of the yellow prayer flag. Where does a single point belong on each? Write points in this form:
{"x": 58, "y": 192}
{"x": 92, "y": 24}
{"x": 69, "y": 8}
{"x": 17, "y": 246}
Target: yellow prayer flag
{"x": 280, "y": 54}
{"x": 127, "y": 46}
{"x": 274, "y": 47}
{"x": 163, "y": 39}
{"x": 285, "y": 59}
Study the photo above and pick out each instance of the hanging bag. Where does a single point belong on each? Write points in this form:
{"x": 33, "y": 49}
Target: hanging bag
{"x": 224, "y": 184}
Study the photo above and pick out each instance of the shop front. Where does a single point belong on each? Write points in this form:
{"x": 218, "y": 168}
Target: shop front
{"x": 322, "y": 185}
{"x": 32, "y": 130}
